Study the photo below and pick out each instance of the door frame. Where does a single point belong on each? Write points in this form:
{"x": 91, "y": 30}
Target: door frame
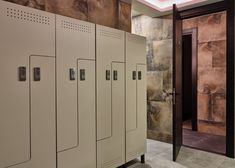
{"x": 194, "y": 33}
{"x": 229, "y": 7}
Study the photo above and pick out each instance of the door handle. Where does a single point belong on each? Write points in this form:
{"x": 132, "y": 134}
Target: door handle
{"x": 139, "y": 75}
{"x": 108, "y": 75}
{"x": 115, "y": 75}
{"x": 82, "y": 74}
{"x": 173, "y": 94}
{"x": 72, "y": 74}
{"x": 22, "y": 73}
{"x": 134, "y": 75}
{"x": 37, "y": 74}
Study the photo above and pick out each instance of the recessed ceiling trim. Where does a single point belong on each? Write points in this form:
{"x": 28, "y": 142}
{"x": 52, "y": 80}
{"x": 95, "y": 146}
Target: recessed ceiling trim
{"x": 166, "y": 5}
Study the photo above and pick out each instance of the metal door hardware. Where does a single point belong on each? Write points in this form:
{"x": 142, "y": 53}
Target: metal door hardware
{"x": 115, "y": 75}
{"x": 72, "y": 74}
{"x": 37, "y": 74}
{"x": 173, "y": 96}
{"x": 22, "y": 73}
{"x": 82, "y": 74}
{"x": 134, "y": 75}
{"x": 108, "y": 75}
{"x": 139, "y": 75}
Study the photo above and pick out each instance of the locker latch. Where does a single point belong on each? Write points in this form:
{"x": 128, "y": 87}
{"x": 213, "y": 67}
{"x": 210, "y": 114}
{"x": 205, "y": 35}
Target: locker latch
{"x": 72, "y": 74}
{"x": 22, "y": 73}
{"x": 139, "y": 75}
{"x": 115, "y": 75}
{"x": 82, "y": 74}
{"x": 37, "y": 74}
{"x": 134, "y": 75}
{"x": 108, "y": 74}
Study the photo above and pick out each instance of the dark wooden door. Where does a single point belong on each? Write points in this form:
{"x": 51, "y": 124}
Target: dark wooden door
{"x": 177, "y": 82}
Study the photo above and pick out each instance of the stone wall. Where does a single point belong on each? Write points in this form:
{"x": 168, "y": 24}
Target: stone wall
{"x": 111, "y": 13}
{"x": 159, "y": 78}
{"x": 211, "y": 66}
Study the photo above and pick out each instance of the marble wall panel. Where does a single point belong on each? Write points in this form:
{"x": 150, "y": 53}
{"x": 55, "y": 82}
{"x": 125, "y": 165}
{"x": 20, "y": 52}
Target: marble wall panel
{"x": 162, "y": 54}
{"x": 212, "y": 27}
{"x": 104, "y": 12}
{"x": 211, "y": 65}
{"x": 72, "y": 8}
{"x": 38, "y": 4}
{"x": 158, "y": 121}
{"x": 158, "y": 32}
{"x": 124, "y": 16}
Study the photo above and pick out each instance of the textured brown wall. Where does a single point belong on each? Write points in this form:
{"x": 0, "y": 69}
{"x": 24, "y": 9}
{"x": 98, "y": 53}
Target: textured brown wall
{"x": 211, "y": 66}
{"x": 111, "y": 13}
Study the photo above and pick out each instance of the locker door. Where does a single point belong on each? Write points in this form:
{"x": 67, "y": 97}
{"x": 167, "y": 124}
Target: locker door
{"x": 109, "y": 48}
{"x": 136, "y": 139}
{"x": 131, "y": 111}
{"x": 111, "y": 151}
{"x": 42, "y": 114}
{"x": 21, "y": 36}
{"x": 84, "y": 155}
{"x": 75, "y": 40}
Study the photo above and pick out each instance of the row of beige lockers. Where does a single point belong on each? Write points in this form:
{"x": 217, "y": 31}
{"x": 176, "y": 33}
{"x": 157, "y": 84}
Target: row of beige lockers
{"x": 73, "y": 94}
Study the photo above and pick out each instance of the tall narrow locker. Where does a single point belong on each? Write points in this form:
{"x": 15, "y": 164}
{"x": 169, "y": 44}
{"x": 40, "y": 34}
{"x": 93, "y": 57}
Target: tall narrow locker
{"x": 75, "y": 67}
{"x": 110, "y": 97}
{"x": 27, "y": 101}
{"x": 136, "y": 108}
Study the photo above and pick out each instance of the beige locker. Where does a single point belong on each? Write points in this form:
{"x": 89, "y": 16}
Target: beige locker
{"x": 25, "y": 117}
{"x": 75, "y": 63}
{"x": 110, "y": 97}
{"x": 136, "y": 102}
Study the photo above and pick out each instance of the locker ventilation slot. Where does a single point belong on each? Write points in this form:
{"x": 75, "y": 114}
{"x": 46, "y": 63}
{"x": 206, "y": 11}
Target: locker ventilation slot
{"x": 27, "y": 16}
{"x": 111, "y": 34}
{"x": 75, "y": 26}
{"x": 136, "y": 39}
{"x": 112, "y": 162}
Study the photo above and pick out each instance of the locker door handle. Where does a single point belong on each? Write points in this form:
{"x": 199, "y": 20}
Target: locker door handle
{"x": 22, "y": 73}
{"x": 108, "y": 75}
{"x": 115, "y": 75}
{"x": 72, "y": 74}
{"x": 139, "y": 75}
{"x": 82, "y": 74}
{"x": 37, "y": 74}
{"x": 134, "y": 75}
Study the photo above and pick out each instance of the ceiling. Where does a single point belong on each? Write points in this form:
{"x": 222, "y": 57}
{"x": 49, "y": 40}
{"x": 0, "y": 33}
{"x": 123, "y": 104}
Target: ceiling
{"x": 157, "y": 8}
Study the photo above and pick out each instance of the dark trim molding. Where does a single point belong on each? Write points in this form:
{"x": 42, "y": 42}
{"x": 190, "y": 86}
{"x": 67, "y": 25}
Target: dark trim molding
{"x": 203, "y": 10}
{"x": 230, "y": 78}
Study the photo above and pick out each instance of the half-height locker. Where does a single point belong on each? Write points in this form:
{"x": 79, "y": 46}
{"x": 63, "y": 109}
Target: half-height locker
{"x": 136, "y": 107}
{"x": 110, "y": 97}
{"x": 75, "y": 66}
{"x": 27, "y": 101}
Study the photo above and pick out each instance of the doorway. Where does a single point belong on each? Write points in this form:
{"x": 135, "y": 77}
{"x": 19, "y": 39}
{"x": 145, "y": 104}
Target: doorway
{"x": 208, "y": 136}
{"x": 212, "y": 96}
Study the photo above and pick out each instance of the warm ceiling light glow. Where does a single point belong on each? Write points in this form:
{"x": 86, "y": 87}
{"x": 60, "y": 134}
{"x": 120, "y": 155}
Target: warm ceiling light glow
{"x": 164, "y": 5}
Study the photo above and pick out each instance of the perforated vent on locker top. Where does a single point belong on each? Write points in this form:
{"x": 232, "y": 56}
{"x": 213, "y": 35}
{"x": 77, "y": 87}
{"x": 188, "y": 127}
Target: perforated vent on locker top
{"x": 112, "y": 34}
{"x": 76, "y": 26}
{"x": 27, "y": 16}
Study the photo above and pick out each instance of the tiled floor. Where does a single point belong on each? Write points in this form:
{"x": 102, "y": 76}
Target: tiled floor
{"x": 159, "y": 155}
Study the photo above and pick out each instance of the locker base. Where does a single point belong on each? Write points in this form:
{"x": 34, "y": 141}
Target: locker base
{"x": 142, "y": 158}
